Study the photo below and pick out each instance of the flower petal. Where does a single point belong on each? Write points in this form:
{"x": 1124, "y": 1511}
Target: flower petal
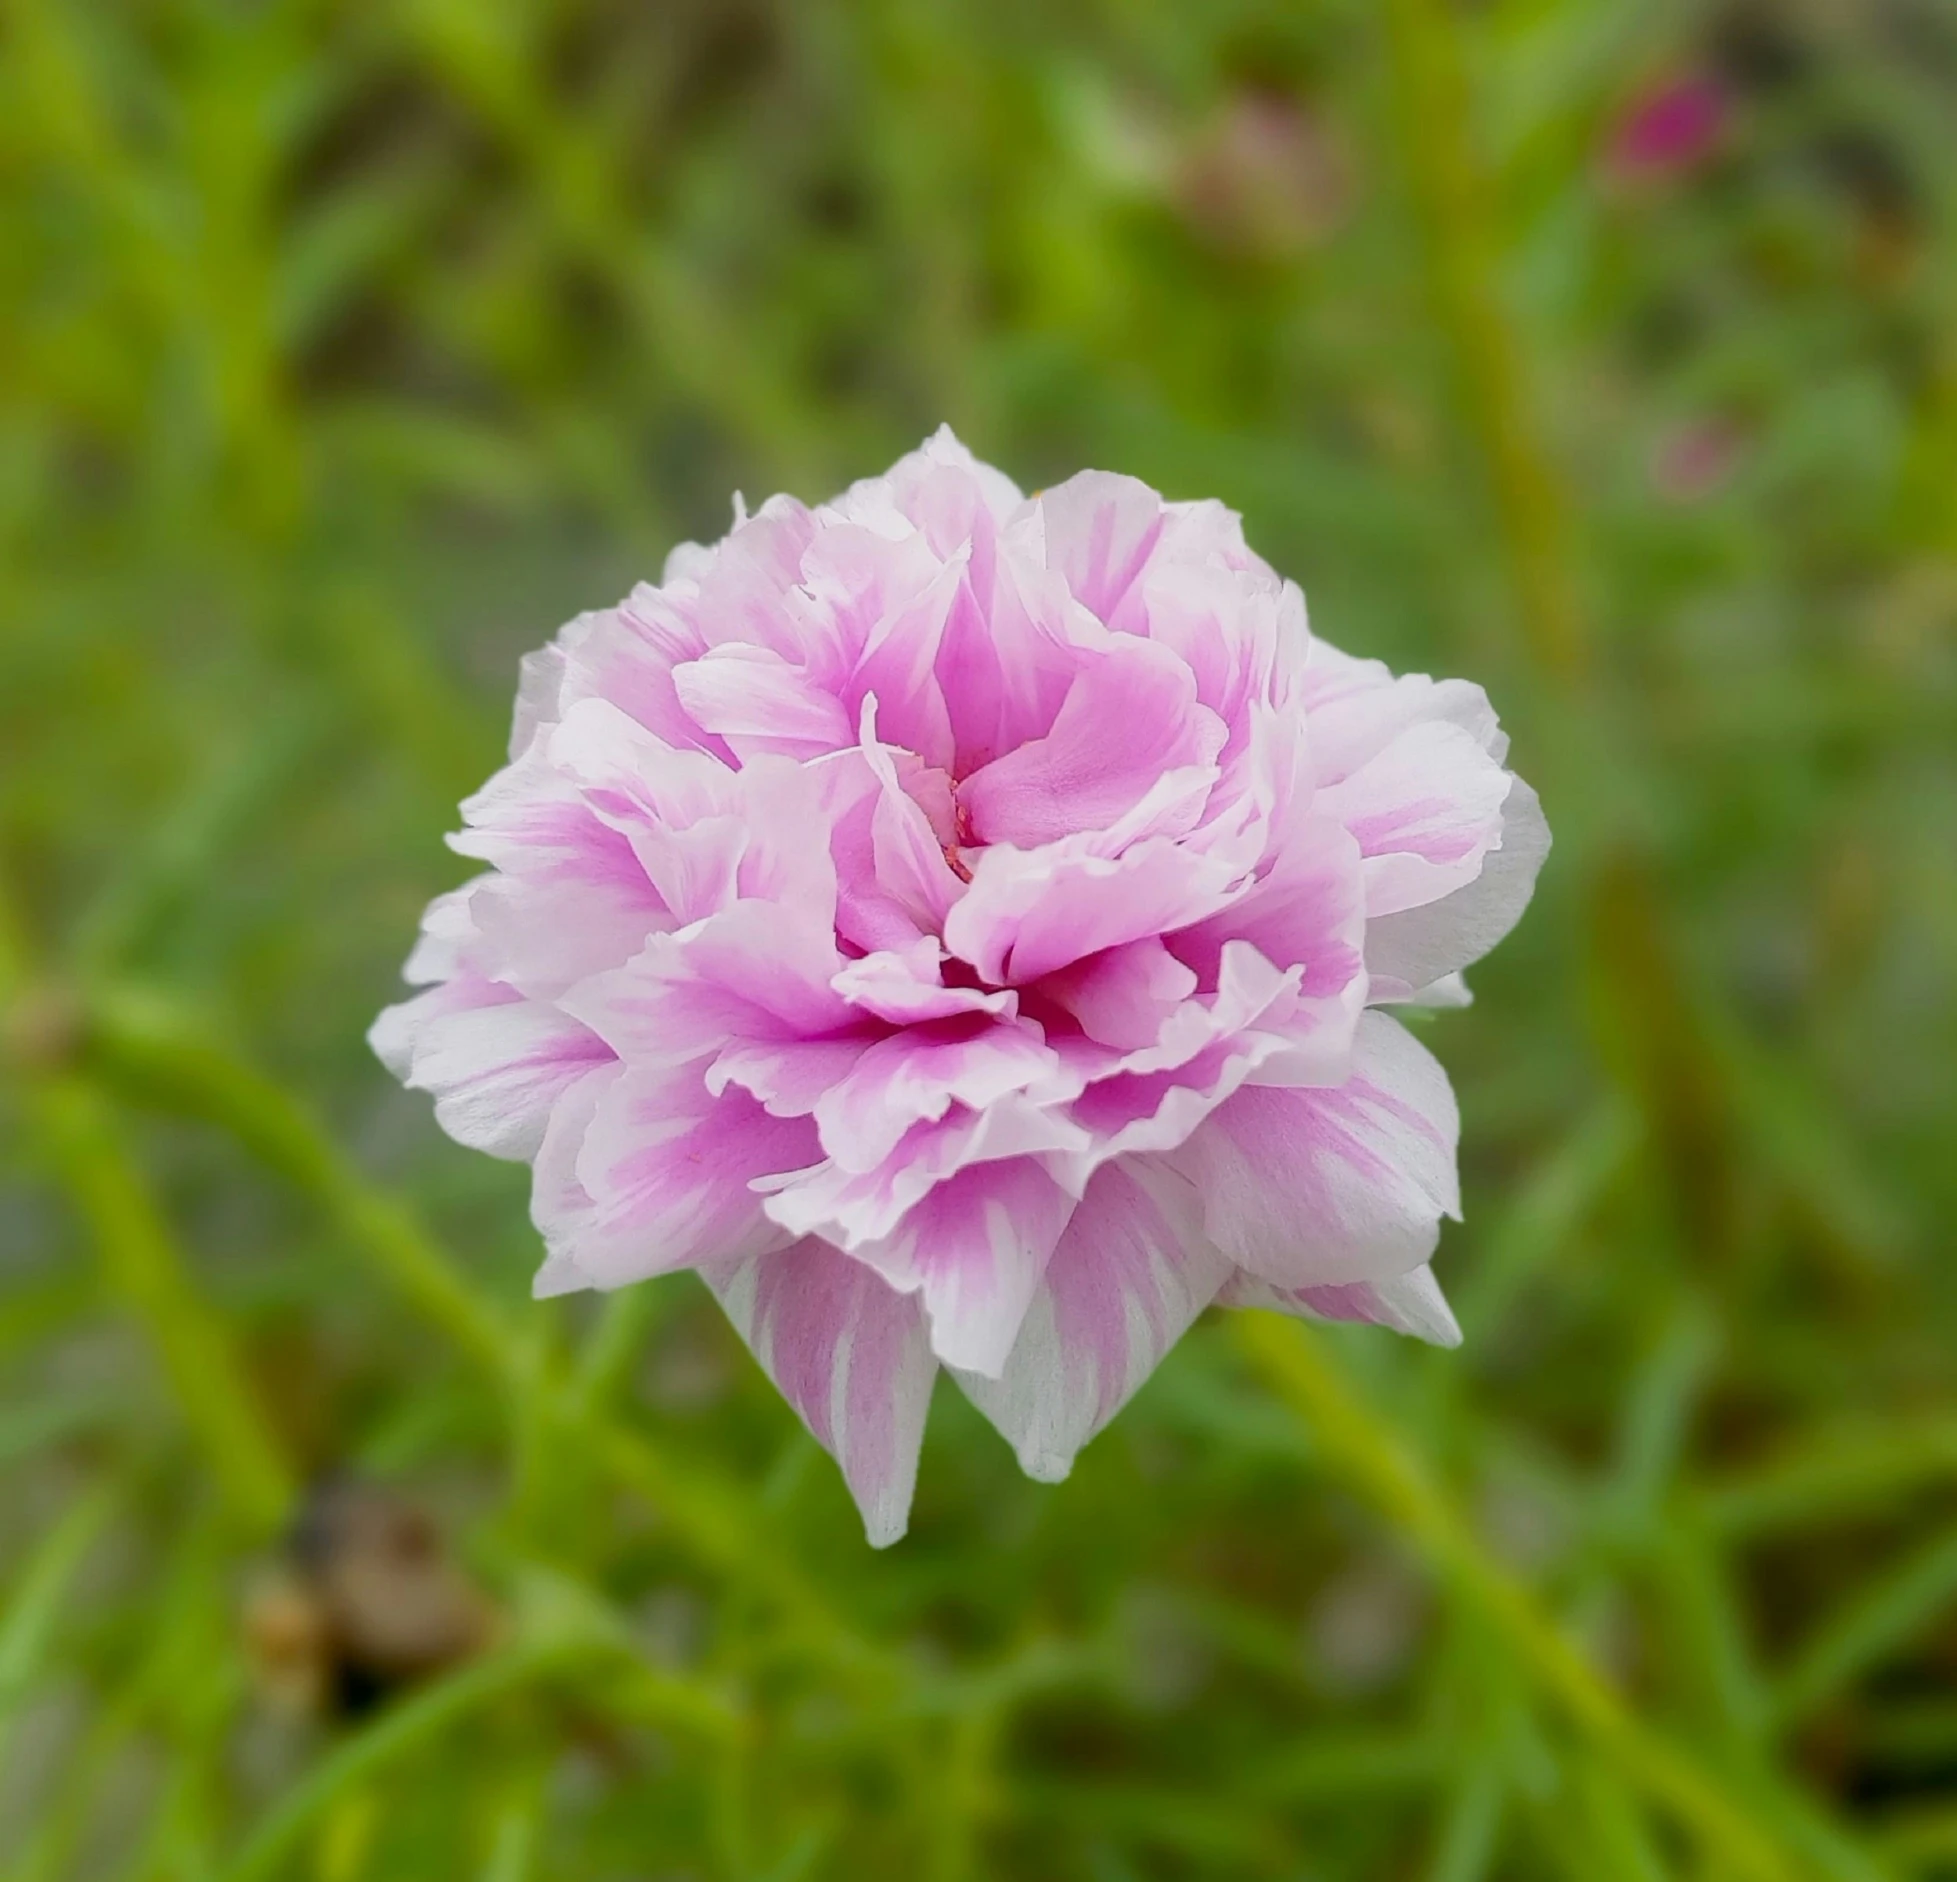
{"x": 1125, "y": 995}
{"x": 1127, "y": 1278}
{"x": 850, "y": 1354}
{"x": 495, "y": 1061}
{"x": 1129, "y": 717}
{"x": 1099, "y": 530}
{"x": 974, "y": 1249}
{"x": 1410, "y": 1303}
{"x": 1419, "y": 946}
{"x": 1426, "y": 811}
{"x": 758, "y": 702}
{"x": 668, "y": 1167}
{"x": 920, "y": 1073}
{"x": 1310, "y": 1187}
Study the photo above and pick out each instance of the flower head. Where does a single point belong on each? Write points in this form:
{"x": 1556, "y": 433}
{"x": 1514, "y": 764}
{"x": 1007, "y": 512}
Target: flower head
{"x": 955, "y": 924}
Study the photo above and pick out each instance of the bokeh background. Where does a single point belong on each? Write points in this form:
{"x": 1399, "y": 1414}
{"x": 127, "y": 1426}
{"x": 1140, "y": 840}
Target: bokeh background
{"x": 1604, "y": 351}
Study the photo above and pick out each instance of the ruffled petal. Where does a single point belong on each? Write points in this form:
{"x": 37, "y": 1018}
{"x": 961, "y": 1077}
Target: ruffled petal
{"x": 1129, "y": 717}
{"x": 669, "y": 1167}
{"x": 757, "y": 701}
{"x": 1099, "y": 530}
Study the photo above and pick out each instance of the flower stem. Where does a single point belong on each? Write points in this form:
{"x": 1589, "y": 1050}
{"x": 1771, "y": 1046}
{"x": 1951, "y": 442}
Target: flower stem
{"x": 139, "y": 1253}
{"x": 1370, "y": 1455}
{"x": 146, "y": 1267}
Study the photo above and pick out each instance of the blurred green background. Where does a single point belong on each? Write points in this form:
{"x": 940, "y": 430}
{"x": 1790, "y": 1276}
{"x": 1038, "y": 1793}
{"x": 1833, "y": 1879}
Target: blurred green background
{"x": 1604, "y": 352}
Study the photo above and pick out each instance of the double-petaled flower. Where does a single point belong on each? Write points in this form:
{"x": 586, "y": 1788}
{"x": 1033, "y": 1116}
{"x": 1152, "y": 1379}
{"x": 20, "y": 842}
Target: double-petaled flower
{"x": 957, "y": 924}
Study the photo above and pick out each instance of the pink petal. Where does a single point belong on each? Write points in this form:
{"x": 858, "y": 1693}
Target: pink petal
{"x": 1124, "y": 996}
{"x": 906, "y": 986}
{"x": 1410, "y": 1303}
{"x": 753, "y": 972}
{"x": 850, "y": 1354}
{"x": 539, "y": 696}
{"x": 856, "y": 1209}
{"x": 683, "y": 812}
{"x": 1426, "y": 810}
{"x": 975, "y": 1248}
{"x": 909, "y": 851}
{"x": 1308, "y": 909}
{"x": 443, "y": 949}
{"x": 668, "y": 1168}
{"x": 950, "y": 495}
{"x": 1030, "y": 912}
{"x": 626, "y": 656}
{"x": 1310, "y": 1187}
{"x": 531, "y": 821}
{"x": 1356, "y": 708}
{"x": 1153, "y": 1098}
{"x": 560, "y": 1205}
{"x": 1129, "y": 716}
{"x": 758, "y": 702}
{"x": 1126, "y": 1279}
{"x": 918, "y": 1075}
{"x": 1100, "y": 529}
{"x": 1008, "y": 654}
{"x": 1422, "y": 945}
{"x": 495, "y": 1062}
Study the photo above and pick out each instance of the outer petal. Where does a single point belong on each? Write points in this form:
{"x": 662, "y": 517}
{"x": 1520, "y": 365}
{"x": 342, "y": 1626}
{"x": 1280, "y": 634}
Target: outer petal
{"x": 1419, "y": 946}
{"x": 1409, "y": 1303}
{"x": 1126, "y": 1280}
{"x": 496, "y": 1062}
{"x": 560, "y": 1205}
{"x": 1358, "y": 707}
{"x": 1310, "y": 1187}
{"x": 1426, "y": 810}
{"x": 850, "y": 1354}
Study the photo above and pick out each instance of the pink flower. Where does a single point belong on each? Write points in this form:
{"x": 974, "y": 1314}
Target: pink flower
{"x": 1670, "y": 128}
{"x": 956, "y": 924}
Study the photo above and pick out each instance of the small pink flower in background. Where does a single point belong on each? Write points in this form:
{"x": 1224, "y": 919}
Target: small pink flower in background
{"x": 1671, "y": 127}
{"x": 1693, "y": 460}
{"x": 957, "y": 925}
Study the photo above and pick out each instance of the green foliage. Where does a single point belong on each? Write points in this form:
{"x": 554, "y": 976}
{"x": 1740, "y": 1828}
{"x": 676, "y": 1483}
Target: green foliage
{"x": 346, "y": 348}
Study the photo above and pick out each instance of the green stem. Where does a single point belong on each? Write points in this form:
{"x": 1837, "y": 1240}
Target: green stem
{"x": 35, "y": 1600}
{"x": 147, "y": 1269}
{"x": 1451, "y": 193}
{"x": 1372, "y": 1458}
